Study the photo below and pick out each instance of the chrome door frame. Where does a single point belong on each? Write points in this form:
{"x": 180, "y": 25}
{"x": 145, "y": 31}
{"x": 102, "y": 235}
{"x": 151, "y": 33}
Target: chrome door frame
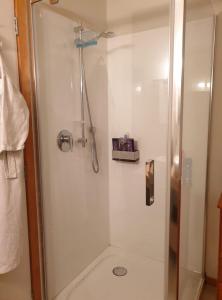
{"x": 177, "y": 57}
{"x": 177, "y": 42}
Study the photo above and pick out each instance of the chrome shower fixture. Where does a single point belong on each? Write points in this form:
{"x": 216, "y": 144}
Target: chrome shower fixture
{"x": 78, "y": 29}
{"x": 106, "y": 35}
{"x": 89, "y": 38}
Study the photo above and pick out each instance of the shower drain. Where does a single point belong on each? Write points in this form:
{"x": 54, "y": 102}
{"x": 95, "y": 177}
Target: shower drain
{"x": 119, "y": 271}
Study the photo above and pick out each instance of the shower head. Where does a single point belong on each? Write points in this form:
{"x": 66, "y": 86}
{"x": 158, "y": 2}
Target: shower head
{"x": 106, "y": 35}
{"x": 89, "y": 38}
{"x": 79, "y": 29}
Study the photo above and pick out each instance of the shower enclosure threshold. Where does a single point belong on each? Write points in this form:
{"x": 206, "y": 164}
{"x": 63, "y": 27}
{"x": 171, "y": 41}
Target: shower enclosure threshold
{"x": 144, "y": 279}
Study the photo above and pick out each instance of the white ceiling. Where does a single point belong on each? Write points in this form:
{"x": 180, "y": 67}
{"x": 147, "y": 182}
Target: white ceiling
{"x": 120, "y": 9}
{"x": 121, "y": 12}
{"x": 217, "y": 4}
{"x": 126, "y": 7}
{"x": 118, "y": 13}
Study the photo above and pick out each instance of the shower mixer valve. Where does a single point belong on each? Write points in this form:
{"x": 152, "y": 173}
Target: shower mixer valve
{"x": 65, "y": 141}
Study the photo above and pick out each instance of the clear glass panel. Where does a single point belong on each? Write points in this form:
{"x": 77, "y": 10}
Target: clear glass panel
{"x": 199, "y": 36}
{"x": 96, "y": 222}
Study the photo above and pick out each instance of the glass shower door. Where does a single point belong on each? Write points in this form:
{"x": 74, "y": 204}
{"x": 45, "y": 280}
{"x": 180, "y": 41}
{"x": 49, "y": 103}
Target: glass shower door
{"x": 105, "y": 237}
{"x": 197, "y": 83}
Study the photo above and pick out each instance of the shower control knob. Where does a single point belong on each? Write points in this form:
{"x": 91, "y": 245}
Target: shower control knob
{"x": 65, "y": 141}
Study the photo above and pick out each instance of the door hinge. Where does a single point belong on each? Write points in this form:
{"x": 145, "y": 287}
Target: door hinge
{"x": 16, "y": 26}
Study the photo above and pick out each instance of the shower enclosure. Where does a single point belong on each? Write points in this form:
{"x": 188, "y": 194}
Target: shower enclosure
{"x": 122, "y": 97}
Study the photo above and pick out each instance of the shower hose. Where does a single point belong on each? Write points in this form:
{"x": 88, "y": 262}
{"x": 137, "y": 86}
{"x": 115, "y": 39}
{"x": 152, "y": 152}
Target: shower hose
{"x": 94, "y": 153}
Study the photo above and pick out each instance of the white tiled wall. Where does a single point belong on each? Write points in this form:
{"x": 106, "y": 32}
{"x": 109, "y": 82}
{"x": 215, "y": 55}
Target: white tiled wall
{"x": 138, "y": 105}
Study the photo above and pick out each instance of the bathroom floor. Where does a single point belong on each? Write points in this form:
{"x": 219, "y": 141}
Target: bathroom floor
{"x": 144, "y": 279}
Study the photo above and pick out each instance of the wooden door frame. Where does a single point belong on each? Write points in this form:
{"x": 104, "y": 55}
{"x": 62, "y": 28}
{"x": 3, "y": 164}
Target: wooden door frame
{"x": 26, "y": 69}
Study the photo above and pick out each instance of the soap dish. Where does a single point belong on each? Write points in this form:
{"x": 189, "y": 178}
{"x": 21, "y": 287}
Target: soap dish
{"x": 127, "y": 156}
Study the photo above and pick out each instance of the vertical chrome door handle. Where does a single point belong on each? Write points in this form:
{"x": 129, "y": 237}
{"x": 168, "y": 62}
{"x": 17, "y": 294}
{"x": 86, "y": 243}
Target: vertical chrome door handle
{"x": 150, "y": 182}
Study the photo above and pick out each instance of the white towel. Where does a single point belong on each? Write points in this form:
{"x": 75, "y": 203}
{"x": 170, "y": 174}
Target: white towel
{"x": 14, "y": 126}
{"x": 13, "y": 114}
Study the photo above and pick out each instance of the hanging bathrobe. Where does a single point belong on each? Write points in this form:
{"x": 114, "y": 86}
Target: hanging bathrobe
{"x": 14, "y": 124}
